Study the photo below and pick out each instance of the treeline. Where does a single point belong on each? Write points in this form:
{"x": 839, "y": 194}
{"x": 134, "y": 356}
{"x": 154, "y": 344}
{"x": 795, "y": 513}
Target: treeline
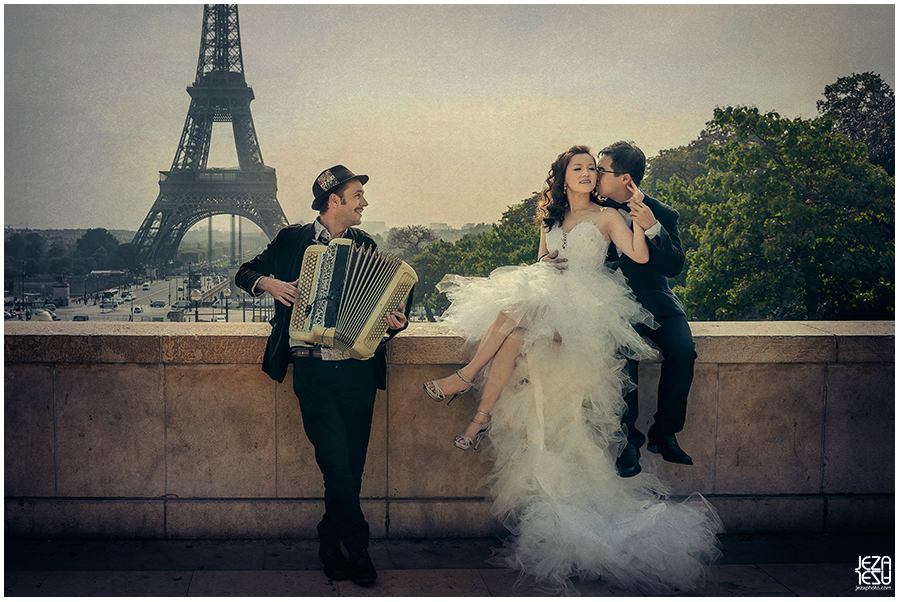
{"x": 96, "y": 249}
{"x": 781, "y": 219}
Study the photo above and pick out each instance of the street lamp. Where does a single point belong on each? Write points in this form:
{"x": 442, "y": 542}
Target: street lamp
{"x": 195, "y": 297}
{"x": 226, "y": 293}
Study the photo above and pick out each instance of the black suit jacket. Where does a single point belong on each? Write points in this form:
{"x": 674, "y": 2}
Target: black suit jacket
{"x": 282, "y": 259}
{"x": 649, "y": 280}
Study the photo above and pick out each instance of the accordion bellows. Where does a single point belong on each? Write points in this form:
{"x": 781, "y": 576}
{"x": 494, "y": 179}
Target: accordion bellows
{"x": 345, "y": 291}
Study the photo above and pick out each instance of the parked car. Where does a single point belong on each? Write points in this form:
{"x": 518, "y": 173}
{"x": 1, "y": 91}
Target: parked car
{"x": 157, "y": 304}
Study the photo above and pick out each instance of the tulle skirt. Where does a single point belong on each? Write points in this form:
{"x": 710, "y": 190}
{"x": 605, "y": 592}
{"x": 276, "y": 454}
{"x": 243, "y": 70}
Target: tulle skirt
{"x": 556, "y": 432}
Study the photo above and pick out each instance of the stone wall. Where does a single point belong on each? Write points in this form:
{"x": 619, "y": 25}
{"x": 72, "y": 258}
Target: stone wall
{"x": 149, "y": 430}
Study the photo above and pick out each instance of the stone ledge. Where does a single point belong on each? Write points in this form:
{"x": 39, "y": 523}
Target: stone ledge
{"x": 423, "y": 343}
{"x": 788, "y": 423}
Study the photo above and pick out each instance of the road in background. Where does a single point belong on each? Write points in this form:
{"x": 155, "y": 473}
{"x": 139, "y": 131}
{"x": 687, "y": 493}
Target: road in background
{"x": 241, "y": 307}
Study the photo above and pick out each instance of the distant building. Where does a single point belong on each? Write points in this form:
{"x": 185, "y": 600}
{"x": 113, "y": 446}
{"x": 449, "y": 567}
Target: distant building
{"x": 374, "y": 228}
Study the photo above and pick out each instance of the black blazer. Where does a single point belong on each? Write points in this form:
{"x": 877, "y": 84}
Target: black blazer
{"x": 282, "y": 259}
{"x": 649, "y": 280}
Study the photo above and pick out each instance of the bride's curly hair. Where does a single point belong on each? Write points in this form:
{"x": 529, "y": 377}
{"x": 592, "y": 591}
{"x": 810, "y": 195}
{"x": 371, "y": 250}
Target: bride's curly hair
{"x": 554, "y": 203}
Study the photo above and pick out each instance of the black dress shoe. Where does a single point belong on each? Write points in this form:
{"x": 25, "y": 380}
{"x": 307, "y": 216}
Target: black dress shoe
{"x": 336, "y": 566}
{"x": 362, "y": 570}
{"x": 628, "y": 464}
{"x": 667, "y": 446}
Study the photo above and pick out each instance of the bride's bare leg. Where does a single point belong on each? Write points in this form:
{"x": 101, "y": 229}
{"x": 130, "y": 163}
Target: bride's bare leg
{"x": 500, "y": 371}
{"x": 490, "y": 345}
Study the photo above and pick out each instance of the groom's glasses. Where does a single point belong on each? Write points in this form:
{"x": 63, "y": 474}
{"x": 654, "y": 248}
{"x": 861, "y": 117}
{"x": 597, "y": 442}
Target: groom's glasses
{"x": 601, "y": 171}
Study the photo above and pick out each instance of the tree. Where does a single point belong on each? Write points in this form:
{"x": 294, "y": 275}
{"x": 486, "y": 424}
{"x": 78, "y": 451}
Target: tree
{"x": 126, "y": 256}
{"x": 862, "y": 106}
{"x": 523, "y": 213}
{"x": 684, "y": 162}
{"x": 28, "y": 247}
{"x": 409, "y": 241}
{"x": 35, "y": 247}
{"x": 431, "y": 265}
{"x": 794, "y": 223}
{"x": 14, "y": 246}
{"x": 92, "y": 240}
{"x": 512, "y": 241}
{"x": 58, "y": 260}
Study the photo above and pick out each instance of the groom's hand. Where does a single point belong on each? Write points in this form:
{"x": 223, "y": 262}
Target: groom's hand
{"x": 640, "y": 213}
{"x": 558, "y": 262}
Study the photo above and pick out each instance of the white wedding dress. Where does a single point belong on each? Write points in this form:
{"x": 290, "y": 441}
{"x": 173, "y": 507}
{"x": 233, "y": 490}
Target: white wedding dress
{"x": 556, "y": 429}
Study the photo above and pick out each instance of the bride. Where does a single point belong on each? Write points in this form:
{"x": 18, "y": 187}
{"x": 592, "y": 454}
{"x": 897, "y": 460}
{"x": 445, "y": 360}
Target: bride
{"x": 552, "y": 342}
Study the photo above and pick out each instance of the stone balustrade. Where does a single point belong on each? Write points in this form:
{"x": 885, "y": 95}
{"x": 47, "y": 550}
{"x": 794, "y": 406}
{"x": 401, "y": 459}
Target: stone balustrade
{"x": 148, "y": 430}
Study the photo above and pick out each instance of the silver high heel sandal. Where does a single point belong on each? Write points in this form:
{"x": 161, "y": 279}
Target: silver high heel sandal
{"x": 464, "y": 443}
{"x": 438, "y": 395}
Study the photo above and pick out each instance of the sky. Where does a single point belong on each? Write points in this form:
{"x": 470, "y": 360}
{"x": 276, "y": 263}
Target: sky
{"x": 454, "y": 111}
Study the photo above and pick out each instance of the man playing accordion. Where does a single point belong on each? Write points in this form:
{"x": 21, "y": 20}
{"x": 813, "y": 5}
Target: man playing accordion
{"x": 336, "y": 393}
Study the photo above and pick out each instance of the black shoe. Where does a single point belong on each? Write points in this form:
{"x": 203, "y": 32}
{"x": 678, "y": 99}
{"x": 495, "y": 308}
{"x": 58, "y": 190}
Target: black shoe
{"x": 362, "y": 570}
{"x": 629, "y": 463}
{"x": 336, "y": 566}
{"x": 667, "y": 446}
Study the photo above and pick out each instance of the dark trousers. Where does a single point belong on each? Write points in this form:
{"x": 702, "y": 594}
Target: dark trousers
{"x": 336, "y": 402}
{"x": 676, "y": 375}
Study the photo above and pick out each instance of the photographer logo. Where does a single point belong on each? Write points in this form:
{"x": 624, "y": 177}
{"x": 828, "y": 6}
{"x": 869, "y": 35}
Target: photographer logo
{"x": 874, "y": 573}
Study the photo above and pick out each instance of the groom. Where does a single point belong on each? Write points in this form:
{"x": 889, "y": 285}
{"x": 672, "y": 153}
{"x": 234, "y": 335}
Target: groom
{"x": 617, "y": 165}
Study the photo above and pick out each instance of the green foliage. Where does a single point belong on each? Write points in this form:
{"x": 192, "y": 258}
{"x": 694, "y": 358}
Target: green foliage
{"x": 512, "y": 241}
{"x": 96, "y": 249}
{"x": 791, "y": 222}
{"x": 684, "y": 162}
{"x": 409, "y": 241}
{"x": 95, "y": 239}
{"x": 30, "y": 250}
{"x": 862, "y": 106}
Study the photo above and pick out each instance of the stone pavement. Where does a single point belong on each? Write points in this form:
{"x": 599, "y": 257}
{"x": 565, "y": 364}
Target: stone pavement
{"x": 753, "y": 565}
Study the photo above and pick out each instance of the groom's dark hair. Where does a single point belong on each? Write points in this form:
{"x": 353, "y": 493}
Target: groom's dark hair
{"x": 628, "y": 158}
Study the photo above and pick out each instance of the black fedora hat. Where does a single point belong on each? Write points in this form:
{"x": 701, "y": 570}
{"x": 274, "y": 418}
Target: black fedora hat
{"x": 329, "y": 180}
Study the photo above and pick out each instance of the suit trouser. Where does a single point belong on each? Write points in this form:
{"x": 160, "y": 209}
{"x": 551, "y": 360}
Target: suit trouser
{"x": 336, "y": 401}
{"x": 676, "y": 375}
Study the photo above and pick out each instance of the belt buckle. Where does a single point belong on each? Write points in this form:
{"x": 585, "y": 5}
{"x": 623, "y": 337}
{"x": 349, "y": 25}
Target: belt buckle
{"x": 314, "y": 352}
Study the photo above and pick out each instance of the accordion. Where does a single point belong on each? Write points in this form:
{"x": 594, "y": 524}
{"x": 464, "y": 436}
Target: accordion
{"x": 345, "y": 291}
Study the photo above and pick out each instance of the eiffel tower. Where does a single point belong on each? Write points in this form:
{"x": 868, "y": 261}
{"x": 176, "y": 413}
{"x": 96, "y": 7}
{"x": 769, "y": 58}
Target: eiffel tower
{"x": 190, "y": 192}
